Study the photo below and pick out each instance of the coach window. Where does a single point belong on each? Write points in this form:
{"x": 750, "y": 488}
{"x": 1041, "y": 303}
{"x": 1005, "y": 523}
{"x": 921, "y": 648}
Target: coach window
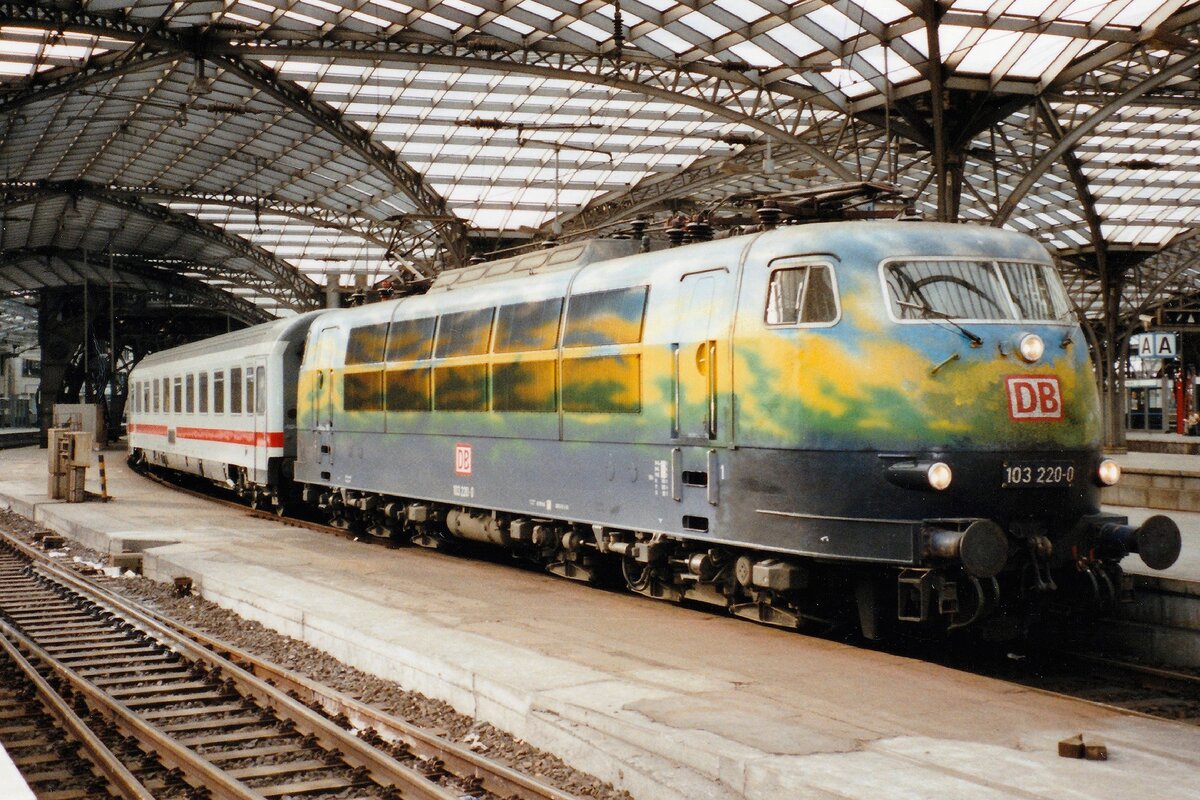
{"x": 154, "y": 386}
{"x": 599, "y": 318}
{"x": 466, "y": 333}
{"x": 177, "y": 395}
{"x": 801, "y": 295}
{"x": 218, "y": 392}
{"x": 260, "y": 402}
{"x": 460, "y": 388}
{"x": 410, "y": 339}
{"x": 362, "y": 391}
{"x": 408, "y": 388}
{"x": 608, "y": 382}
{"x": 365, "y": 344}
{"x": 530, "y": 383}
{"x": 235, "y": 390}
{"x": 189, "y": 393}
{"x": 528, "y": 326}
{"x": 250, "y": 402}
{"x": 202, "y": 399}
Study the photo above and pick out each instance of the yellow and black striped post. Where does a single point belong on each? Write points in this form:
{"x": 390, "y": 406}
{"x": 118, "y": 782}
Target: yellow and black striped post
{"x": 104, "y": 498}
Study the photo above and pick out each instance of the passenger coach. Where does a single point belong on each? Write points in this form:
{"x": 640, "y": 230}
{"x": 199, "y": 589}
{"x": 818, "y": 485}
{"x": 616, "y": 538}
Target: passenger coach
{"x": 223, "y": 408}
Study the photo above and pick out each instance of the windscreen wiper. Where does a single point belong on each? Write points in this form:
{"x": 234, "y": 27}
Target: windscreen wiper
{"x": 926, "y": 311}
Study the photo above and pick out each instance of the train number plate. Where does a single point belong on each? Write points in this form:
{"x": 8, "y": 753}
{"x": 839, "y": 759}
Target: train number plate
{"x": 1026, "y": 474}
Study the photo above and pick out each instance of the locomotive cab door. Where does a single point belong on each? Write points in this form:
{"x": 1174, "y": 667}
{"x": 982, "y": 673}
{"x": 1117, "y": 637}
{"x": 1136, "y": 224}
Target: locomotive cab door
{"x": 695, "y": 350}
{"x": 323, "y": 401}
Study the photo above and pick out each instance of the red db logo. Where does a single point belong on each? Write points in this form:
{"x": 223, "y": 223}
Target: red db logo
{"x": 462, "y": 459}
{"x": 1034, "y": 397}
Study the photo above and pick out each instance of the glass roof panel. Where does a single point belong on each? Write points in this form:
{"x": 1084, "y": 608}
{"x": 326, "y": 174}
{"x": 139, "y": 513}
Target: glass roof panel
{"x": 742, "y": 9}
{"x": 704, "y": 24}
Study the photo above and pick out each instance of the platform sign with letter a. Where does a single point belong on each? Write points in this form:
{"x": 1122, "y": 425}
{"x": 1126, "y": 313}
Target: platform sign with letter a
{"x": 1155, "y": 345}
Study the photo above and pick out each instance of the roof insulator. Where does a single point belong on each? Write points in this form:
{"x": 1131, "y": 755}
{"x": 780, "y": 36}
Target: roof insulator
{"x": 618, "y": 30}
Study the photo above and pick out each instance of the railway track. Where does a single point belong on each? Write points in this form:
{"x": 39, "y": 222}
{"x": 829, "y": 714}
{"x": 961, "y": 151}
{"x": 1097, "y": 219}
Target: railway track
{"x": 1141, "y": 688}
{"x": 210, "y": 720}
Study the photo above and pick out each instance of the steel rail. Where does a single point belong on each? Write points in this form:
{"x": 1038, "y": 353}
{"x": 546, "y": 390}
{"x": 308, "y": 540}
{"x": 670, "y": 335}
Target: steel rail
{"x": 199, "y": 771}
{"x": 1184, "y": 678}
{"x": 119, "y": 777}
{"x": 354, "y": 751}
{"x": 460, "y": 761}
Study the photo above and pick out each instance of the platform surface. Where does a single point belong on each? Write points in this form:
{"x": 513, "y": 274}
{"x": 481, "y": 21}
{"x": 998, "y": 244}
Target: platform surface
{"x": 694, "y": 705}
{"x": 12, "y": 785}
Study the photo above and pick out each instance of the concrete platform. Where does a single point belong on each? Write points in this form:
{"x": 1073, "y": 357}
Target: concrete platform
{"x": 18, "y": 437}
{"x": 690, "y": 704}
{"x": 12, "y": 785}
{"x": 1169, "y": 481}
{"x": 1158, "y": 442}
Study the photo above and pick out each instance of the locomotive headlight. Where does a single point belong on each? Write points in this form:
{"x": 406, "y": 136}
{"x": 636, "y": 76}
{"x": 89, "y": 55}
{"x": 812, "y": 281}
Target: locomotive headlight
{"x": 1031, "y": 347}
{"x": 1109, "y": 472}
{"x": 939, "y": 475}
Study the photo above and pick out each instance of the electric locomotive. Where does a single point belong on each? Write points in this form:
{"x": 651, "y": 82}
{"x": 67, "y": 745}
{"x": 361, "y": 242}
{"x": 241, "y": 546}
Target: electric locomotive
{"x": 819, "y": 424}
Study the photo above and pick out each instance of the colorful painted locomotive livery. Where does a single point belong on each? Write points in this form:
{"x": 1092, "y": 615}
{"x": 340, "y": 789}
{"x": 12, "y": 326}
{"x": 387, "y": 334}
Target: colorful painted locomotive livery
{"x": 826, "y": 424}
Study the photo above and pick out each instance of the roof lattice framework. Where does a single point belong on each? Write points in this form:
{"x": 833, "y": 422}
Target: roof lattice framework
{"x": 263, "y": 146}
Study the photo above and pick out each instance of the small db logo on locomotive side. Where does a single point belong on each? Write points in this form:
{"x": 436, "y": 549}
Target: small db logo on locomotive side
{"x": 462, "y": 459}
{"x": 1034, "y": 397}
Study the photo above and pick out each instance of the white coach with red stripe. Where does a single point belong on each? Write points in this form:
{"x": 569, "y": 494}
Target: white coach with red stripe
{"x": 223, "y": 408}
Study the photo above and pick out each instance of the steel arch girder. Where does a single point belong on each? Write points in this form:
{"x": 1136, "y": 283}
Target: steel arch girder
{"x": 1072, "y": 137}
{"x": 405, "y": 178}
{"x": 296, "y": 290}
{"x": 153, "y": 275}
{"x": 457, "y": 56}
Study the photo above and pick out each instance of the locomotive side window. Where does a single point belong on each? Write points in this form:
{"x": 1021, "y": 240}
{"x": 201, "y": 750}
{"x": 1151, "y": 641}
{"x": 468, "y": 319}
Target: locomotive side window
{"x": 218, "y": 392}
{"x": 178, "y": 395}
{"x": 528, "y": 326}
{"x": 408, "y": 389}
{"x": 460, "y": 388}
{"x": 365, "y": 344}
{"x": 410, "y": 339}
{"x": 235, "y": 390}
{"x": 466, "y": 333}
{"x": 599, "y": 318}
{"x": 190, "y": 393}
{"x": 202, "y": 399}
{"x": 801, "y": 295}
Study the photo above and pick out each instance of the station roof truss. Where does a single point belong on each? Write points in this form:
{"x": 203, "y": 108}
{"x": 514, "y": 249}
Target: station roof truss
{"x": 269, "y": 147}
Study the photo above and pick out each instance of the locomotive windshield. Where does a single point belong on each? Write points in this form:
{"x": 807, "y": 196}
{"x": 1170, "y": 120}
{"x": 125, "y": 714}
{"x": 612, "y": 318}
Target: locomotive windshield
{"x": 975, "y": 290}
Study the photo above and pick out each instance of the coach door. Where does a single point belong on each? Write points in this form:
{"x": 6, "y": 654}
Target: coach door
{"x": 694, "y": 350}
{"x": 256, "y": 404}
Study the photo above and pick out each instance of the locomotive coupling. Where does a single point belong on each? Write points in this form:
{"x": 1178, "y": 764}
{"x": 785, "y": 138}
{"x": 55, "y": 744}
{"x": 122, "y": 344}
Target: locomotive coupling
{"x": 982, "y": 548}
{"x": 1156, "y": 540}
